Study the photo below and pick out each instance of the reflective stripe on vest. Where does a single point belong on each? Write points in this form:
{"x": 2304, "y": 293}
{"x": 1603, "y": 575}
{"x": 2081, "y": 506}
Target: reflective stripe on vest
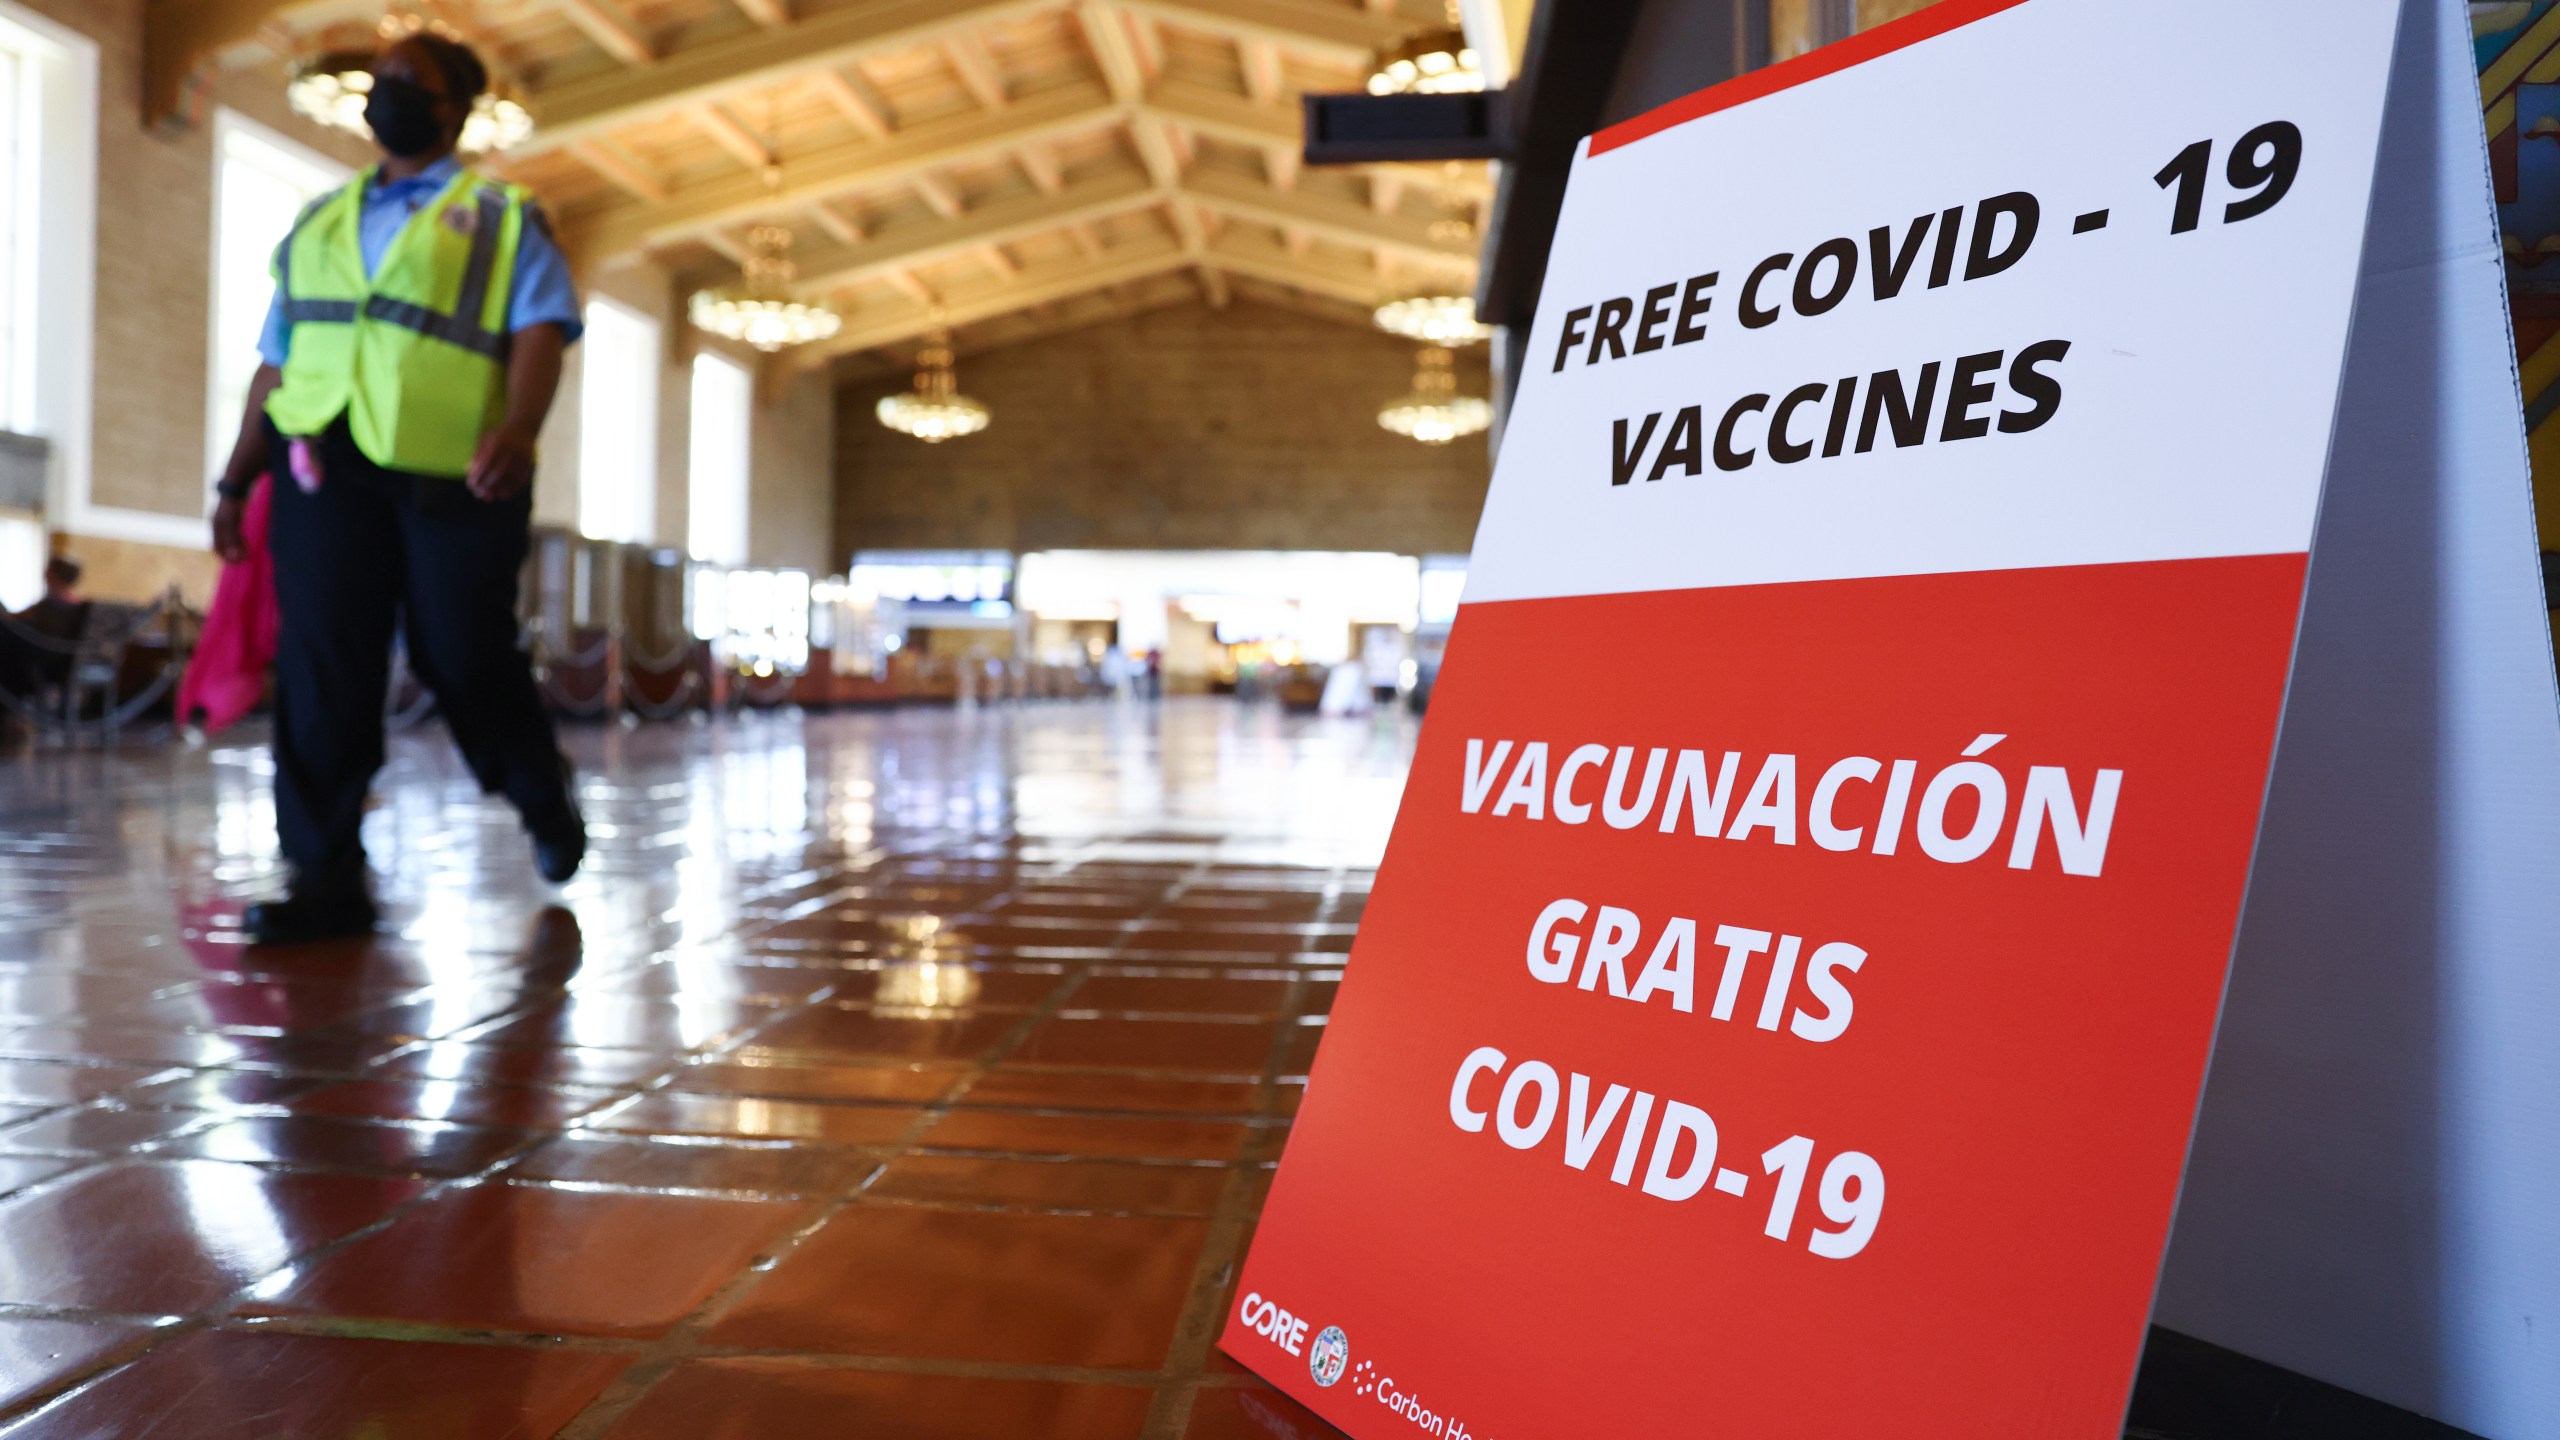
{"x": 462, "y": 327}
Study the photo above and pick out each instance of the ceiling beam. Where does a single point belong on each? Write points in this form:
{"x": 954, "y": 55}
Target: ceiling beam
{"x": 733, "y": 137}
{"x": 1263, "y": 260}
{"x": 836, "y": 37}
{"x": 906, "y": 283}
{"x": 1225, "y": 116}
{"x": 765, "y": 12}
{"x": 1039, "y": 286}
{"x": 1154, "y": 144}
{"x": 622, "y": 168}
{"x": 861, "y": 105}
{"x": 762, "y": 57}
{"x": 994, "y": 258}
{"x": 836, "y": 223}
{"x": 976, "y": 66}
{"x": 1094, "y": 307}
{"x": 941, "y": 195}
{"x": 178, "y": 33}
{"x": 612, "y": 28}
{"x": 918, "y": 150}
{"x": 1113, "y": 55}
{"x": 1261, "y": 61}
{"x": 1040, "y": 162}
{"x": 1333, "y": 33}
{"x": 1343, "y": 221}
{"x": 1001, "y": 222}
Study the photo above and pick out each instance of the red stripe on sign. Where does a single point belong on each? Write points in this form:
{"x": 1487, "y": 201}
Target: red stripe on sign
{"x": 1839, "y": 55}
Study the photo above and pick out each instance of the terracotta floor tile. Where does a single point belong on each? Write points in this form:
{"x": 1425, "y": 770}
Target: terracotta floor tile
{"x": 1180, "y": 994}
{"x": 534, "y": 1258}
{"x": 650, "y": 1164}
{"x": 1111, "y": 1185}
{"x": 832, "y": 1032}
{"x": 132, "y": 1044}
{"x": 756, "y": 1399}
{"x": 172, "y": 1237}
{"x": 235, "y": 1385}
{"x": 1100, "y": 1135}
{"x": 502, "y": 1065}
{"x": 50, "y": 1084}
{"x": 1003, "y": 987}
{"x": 1252, "y": 1412}
{"x": 784, "y": 1081}
{"x": 95, "y": 1130}
{"x": 17, "y": 1172}
{"x": 753, "y": 1118}
{"x": 227, "y": 1090}
{"x": 328, "y": 1142}
{"x": 976, "y": 1285}
{"x": 1084, "y": 1090}
{"x": 37, "y": 1356}
{"x": 613, "y": 1023}
{"x": 1218, "y": 1047}
{"x": 663, "y": 980}
{"x": 531, "y": 1106}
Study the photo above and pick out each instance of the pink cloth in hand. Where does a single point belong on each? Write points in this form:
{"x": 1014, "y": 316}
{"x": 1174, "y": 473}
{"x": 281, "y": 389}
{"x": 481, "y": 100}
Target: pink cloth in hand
{"x": 228, "y": 673}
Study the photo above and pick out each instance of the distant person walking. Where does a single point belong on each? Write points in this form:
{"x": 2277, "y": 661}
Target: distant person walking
{"x": 411, "y": 354}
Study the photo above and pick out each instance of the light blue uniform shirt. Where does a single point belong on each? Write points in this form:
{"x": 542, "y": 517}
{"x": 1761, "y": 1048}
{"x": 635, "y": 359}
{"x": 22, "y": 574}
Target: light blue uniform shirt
{"x": 543, "y": 294}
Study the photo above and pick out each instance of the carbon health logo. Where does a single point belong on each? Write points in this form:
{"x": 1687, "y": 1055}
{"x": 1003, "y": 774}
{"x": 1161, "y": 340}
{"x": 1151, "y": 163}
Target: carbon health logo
{"x": 1329, "y": 1363}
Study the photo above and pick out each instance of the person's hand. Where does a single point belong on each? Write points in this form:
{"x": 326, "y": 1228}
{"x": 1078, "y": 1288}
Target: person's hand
{"x": 227, "y": 542}
{"x": 504, "y": 465}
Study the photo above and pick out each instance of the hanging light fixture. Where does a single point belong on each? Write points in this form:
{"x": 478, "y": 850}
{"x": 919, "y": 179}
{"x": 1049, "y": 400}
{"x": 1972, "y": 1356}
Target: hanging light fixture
{"x": 1439, "y": 313}
{"x": 1433, "y": 319}
{"x": 761, "y": 310}
{"x": 1435, "y": 413}
{"x": 1437, "y": 61}
{"x": 935, "y": 410}
{"x": 331, "y": 88}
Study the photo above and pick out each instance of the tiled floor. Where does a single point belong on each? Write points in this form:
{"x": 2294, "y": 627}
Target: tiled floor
{"x": 887, "y": 1075}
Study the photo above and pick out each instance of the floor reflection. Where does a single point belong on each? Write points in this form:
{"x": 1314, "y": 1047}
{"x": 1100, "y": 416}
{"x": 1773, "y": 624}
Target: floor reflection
{"x": 921, "y": 1067}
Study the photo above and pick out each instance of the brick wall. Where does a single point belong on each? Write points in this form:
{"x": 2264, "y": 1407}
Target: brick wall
{"x": 1187, "y": 428}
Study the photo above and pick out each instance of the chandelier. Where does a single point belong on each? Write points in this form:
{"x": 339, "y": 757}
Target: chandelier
{"x": 1433, "y": 319}
{"x": 1435, "y": 413}
{"x": 760, "y": 310}
{"x": 935, "y": 410}
{"x": 1437, "y": 61}
{"x": 331, "y": 88}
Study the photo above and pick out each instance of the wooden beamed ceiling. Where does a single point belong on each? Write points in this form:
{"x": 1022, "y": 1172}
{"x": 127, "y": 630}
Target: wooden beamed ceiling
{"x": 1011, "y": 166}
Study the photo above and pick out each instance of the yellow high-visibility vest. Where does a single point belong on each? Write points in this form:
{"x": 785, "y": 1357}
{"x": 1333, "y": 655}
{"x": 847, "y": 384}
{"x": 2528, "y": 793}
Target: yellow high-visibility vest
{"x": 416, "y": 356}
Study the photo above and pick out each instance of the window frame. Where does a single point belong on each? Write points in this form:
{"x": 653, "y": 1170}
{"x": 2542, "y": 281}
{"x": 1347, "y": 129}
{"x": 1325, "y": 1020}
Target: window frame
{"x": 734, "y": 511}
{"x": 54, "y": 279}
{"x": 644, "y": 426}
{"x": 222, "y": 429}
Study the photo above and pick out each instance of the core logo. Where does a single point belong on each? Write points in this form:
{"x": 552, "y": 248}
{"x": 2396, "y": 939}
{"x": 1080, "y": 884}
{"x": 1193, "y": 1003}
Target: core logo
{"x": 1276, "y": 1325}
{"x": 1331, "y": 1355}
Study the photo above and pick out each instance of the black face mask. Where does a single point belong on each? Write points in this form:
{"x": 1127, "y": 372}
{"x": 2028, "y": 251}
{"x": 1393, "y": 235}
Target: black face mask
{"x": 403, "y": 117}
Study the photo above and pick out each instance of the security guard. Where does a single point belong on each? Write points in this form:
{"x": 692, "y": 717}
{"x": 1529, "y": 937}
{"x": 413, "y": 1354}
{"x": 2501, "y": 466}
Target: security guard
{"x": 411, "y": 355}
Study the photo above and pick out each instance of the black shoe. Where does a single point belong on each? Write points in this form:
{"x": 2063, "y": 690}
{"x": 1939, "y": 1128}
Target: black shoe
{"x": 559, "y": 835}
{"x": 307, "y": 915}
